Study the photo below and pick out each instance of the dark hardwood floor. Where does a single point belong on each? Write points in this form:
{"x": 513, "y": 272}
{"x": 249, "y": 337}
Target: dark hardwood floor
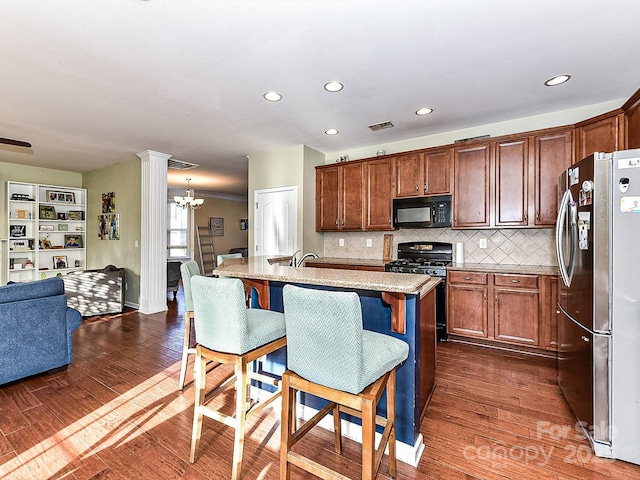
{"x": 115, "y": 413}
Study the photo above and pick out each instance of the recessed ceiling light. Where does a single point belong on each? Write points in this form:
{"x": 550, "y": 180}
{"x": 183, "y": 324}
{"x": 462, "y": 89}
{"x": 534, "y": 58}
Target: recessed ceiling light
{"x": 557, "y": 80}
{"x": 272, "y": 96}
{"x": 331, "y": 131}
{"x": 424, "y": 111}
{"x": 333, "y": 86}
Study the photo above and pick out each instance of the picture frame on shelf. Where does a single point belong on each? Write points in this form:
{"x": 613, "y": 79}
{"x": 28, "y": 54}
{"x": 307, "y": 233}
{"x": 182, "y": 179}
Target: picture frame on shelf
{"x": 47, "y": 212}
{"x": 73, "y": 241}
{"x": 17, "y": 245}
{"x": 75, "y": 215}
{"x": 47, "y": 228}
{"x": 22, "y": 213}
{"x": 45, "y": 243}
{"x": 57, "y": 196}
{"x": 62, "y": 216}
{"x": 18, "y": 231}
{"x": 63, "y": 227}
{"x": 59, "y": 261}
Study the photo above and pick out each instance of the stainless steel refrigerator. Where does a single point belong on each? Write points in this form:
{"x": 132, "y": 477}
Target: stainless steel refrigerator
{"x": 598, "y": 248}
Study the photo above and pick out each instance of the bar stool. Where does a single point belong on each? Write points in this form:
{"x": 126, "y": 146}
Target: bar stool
{"x": 331, "y": 356}
{"x": 228, "y": 256}
{"x": 187, "y": 270}
{"x": 230, "y": 333}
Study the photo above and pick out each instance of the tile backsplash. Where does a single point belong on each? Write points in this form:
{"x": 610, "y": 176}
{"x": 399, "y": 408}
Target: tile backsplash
{"x": 504, "y": 246}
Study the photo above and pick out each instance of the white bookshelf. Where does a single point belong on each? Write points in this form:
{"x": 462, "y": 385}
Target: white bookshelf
{"x": 46, "y": 231}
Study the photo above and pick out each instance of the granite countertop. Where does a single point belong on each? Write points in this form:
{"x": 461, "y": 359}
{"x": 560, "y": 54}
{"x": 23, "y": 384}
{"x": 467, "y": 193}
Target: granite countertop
{"x": 259, "y": 268}
{"x": 498, "y": 268}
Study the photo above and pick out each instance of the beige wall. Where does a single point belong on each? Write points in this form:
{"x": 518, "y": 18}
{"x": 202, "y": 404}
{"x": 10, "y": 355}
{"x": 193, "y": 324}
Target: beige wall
{"x": 549, "y": 120}
{"x": 124, "y": 180}
{"x": 232, "y": 211}
{"x": 293, "y": 166}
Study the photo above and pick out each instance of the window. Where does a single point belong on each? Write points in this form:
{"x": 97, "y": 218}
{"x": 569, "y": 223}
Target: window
{"x": 177, "y": 231}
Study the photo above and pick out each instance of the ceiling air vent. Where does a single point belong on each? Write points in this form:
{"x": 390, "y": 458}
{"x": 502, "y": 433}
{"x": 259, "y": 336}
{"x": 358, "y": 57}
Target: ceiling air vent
{"x": 380, "y": 126}
{"x": 180, "y": 165}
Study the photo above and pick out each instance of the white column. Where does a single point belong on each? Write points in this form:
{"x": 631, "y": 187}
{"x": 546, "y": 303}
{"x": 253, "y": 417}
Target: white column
{"x": 153, "y": 239}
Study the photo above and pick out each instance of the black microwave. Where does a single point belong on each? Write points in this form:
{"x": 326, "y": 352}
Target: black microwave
{"x": 422, "y": 212}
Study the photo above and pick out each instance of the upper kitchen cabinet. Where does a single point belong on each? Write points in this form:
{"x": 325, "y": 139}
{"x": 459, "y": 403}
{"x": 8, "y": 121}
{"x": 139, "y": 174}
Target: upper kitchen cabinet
{"x": 378, "y": 194}
{"x": 409, "y": 175}
{"x": 632, "y": 116}
{"x": 339, "y": 197}
{"x": 471, "y": 184}
{"x": 437, "y": 172}
{"x": 426, "y": 173}
{"x": 512, "y": 182}
{"x": 604, "y": 133}
{"x": 553, "y": 154}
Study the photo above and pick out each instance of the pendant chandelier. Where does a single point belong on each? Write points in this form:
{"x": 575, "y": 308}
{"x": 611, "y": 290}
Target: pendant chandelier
{"x": 188, "y": 200}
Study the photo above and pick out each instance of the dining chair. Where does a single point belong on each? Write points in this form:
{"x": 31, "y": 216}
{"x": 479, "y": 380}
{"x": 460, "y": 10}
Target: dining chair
{"x": 187, "y": 271}
{"x": 229, "y": 333}
{"x": 331, "y": 356}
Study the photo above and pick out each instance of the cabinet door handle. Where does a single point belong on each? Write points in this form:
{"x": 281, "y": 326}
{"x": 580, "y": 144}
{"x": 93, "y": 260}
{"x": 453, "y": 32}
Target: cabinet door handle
{"x": 336, "y": 222}
{"x": 466, "y": 278}
{"x": 425, "y": 187}
{"x": 417, "y": 188}
{"x": 515, "y": 281}
{"x": 497, "y": 303}
{"x": 484, "y": 295}
{"x": 585, "y": 339}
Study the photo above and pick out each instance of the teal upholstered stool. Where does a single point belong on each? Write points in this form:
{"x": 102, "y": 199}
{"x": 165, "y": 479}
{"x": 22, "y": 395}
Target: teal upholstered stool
{"x": 187, "y": 270}
{"x": 330, "y": 355}
{"x": 228, "y": 332}
{"x": 228, "y": 256}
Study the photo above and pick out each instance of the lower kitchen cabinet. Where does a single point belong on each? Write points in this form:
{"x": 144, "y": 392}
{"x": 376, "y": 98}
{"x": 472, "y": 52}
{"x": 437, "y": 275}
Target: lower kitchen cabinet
{"x": 467, "y": 309}
{"x": 501, "y": 308}
{"x": 517, "y": 309}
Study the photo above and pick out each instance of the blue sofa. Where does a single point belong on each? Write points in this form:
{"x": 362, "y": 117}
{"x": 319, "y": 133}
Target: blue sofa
{"x": 35, "y": 328}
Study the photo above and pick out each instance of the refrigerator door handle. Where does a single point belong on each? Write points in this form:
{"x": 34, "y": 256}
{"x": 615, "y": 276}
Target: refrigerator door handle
{"x": 566, "y": 272}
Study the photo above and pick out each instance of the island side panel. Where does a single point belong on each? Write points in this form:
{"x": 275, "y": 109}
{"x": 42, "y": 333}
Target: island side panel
{"x": 377, "y": 317}
{"x": 428, "y": 343}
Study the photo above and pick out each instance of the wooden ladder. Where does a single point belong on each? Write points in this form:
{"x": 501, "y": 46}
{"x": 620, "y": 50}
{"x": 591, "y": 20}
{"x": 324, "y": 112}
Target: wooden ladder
{"x": 205, "y": 249}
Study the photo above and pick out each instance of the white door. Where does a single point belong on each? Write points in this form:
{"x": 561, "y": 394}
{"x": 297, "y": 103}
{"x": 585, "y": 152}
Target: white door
{"x": 275, "y": 221}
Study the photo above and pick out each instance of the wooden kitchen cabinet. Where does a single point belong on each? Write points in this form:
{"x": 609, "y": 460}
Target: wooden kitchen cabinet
{"x": 511, "y": 206}
{"x": 409, "y": 174}
{"x": 472, "y": 172}
{"x": 467, "y": 306}
{"x": 427, "y": 173}
{"x": 604, "y": 133}
{"x": 437, "y": 172}
{"x": 378, "y": 194}
{"x": 549, "y": 294}
{"x": 339, "y": 197}
{"x": 632, "y": 121}
{"x": 517, "y": 309}
{"x": 553, "y": 154}
{"x": 503, "y": 309}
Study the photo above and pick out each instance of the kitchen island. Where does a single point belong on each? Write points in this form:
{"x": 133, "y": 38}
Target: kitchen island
{"x": 401, "y": 305}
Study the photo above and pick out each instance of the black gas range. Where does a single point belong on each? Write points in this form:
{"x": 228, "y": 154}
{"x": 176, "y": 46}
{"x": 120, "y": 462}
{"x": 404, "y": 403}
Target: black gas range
{"x": 427, "y": 258}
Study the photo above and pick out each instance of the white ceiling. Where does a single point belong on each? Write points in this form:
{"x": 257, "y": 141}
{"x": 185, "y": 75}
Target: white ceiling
{"x": 92, "y": 83}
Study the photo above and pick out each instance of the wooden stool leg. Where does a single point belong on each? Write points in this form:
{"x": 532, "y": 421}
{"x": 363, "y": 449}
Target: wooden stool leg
{"x": 368, "y": 439}
{"x": 242, "y": 392}
{"x": 337, "y": 429}
{"x": 185, "y": 347}
{"x": 287, "y": 427}
{"x": 201, "y": 379}
{"x": 391, "y": 419}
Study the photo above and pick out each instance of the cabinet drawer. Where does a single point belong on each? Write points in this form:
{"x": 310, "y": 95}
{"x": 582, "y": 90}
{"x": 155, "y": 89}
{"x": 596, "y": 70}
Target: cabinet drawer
{"x": 475, "y": 278}
{"x": 515, "y": 281}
